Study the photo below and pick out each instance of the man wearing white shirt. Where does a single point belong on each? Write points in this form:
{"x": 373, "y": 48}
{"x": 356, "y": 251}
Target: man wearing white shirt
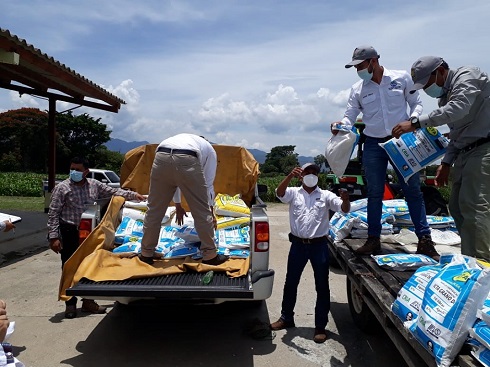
{"x": 183, "y": 163}
{"x": 309, "y": 211}
{"x": 383, "y": 97}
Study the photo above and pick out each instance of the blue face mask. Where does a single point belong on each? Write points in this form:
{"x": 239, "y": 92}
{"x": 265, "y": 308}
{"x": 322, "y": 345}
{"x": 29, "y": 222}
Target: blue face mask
{"x": 364, "y": 74}
{"x": 76, "y": 176}
{"x": 434, "y": 90}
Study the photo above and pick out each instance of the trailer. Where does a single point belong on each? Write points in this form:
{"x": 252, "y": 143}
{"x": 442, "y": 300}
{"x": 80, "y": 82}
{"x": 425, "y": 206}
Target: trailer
{"x": 371, "y": 291}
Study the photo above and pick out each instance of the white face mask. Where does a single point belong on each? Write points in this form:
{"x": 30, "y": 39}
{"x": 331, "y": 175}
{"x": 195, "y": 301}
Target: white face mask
{"x": 310, "y": 180}
{"x": 364, "y": 74}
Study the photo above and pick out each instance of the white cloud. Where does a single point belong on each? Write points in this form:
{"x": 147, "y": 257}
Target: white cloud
{"x": 259, "y": 74}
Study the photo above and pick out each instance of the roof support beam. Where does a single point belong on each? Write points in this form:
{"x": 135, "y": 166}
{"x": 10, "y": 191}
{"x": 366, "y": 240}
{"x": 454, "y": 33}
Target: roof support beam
{"x": 12, "y": 58}
{"x": 59, "y": 97}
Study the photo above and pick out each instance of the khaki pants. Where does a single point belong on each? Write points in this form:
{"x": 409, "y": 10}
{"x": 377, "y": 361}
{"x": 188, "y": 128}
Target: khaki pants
{"x": 470, "y": 201}
{"x": 168, "y": 172}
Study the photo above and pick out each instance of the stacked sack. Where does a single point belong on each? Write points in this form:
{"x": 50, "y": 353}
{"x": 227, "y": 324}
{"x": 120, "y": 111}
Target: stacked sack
{"x": 179, "y": 241}
{"x": 233, "y": 233}
{"x": 480, "y": 334}
{"x": 355, "y": 223}
{"x": 394, "y": 218}
{"x": 439, "y": 304}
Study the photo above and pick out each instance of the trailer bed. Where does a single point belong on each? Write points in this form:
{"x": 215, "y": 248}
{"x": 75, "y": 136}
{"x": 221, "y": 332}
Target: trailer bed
{"x": 378, "y": 289}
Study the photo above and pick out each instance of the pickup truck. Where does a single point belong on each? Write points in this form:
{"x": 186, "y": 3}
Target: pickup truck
{"x": 97, "y": 273}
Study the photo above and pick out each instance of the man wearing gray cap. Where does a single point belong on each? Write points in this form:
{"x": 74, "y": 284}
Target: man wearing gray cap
{"x": 382, "y": 97}
{"x": 464, "y": 105}
{"x": 309, "y": 212}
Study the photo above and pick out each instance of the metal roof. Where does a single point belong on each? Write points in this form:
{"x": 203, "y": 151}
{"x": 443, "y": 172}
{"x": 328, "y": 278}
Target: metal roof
{"x": 28, "y": 70}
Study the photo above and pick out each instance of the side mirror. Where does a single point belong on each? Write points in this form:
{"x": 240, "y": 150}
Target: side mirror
{"x": 262, "y": 189}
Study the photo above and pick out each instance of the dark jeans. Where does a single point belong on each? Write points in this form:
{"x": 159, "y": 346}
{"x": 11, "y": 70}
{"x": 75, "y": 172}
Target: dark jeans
{"x": 69, "y": 240}
{"x": 299, "y": 254}
{"x": 375, "y": 162}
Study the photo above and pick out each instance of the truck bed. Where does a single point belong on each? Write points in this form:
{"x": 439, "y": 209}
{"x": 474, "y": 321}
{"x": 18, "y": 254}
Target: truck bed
{"x": 379, "y": 288}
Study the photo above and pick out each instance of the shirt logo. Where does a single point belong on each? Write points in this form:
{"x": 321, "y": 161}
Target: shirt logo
{"x": 395, "y": 85}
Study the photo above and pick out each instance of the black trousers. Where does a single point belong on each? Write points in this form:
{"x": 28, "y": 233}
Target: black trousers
{"x": 70, "y": 243}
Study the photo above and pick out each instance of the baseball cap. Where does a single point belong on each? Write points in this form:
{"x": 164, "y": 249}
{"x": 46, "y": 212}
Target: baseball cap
{"x": 309, "y": 164}
{"x": 362, "y": 53}
{"x": 421, "y": 70}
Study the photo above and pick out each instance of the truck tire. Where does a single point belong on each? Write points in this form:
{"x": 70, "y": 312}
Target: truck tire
{"x": 361, "y": 314}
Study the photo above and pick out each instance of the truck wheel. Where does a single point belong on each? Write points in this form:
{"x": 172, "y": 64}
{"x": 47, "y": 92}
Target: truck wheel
{"x": 361, "y": 314}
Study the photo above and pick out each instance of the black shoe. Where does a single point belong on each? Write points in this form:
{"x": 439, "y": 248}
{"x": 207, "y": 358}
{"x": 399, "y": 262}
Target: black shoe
{"x": 371, "y": 246}
{"x": 147, "y": 260}
{"x": 426, "y": 247}
{"x": 282, "y": 324}
{"x": 217, "y": 260}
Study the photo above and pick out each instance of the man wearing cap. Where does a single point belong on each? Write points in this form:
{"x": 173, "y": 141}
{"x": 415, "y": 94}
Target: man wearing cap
{"x": 464, "y": 105}
{"x": 382, "y": 97}
{"x": 309, "y": 208}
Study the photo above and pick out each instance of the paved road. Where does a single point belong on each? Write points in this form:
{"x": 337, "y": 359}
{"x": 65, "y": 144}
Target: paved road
{"x": 174, "y": 335}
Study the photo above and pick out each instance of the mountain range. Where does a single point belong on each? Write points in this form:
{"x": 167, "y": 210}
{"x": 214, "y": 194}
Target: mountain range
{"x": 121, "y": 146}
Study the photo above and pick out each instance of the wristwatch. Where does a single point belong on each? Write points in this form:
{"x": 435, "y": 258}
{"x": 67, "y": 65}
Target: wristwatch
{"x": 415, "y": 122}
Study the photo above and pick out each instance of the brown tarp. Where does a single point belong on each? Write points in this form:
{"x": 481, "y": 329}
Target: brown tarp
{"x": 237, "y": 173}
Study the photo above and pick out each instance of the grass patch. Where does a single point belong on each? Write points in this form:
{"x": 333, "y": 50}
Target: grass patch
{"x": 24, "y": 203}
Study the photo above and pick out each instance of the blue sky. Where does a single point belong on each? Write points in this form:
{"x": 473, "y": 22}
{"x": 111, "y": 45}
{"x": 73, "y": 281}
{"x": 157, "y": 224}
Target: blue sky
{"x": 253, "y": 73}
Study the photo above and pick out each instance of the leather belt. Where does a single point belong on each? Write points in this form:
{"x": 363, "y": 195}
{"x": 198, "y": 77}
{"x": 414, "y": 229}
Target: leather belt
{"x": 307, "y": 241}
{"x": 382, "y": 140}
{"x": 477, "y": 143}
{"x": 177, "y": 151}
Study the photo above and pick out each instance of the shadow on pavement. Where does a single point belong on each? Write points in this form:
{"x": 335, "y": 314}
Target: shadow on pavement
{"x": 159, "y": 334}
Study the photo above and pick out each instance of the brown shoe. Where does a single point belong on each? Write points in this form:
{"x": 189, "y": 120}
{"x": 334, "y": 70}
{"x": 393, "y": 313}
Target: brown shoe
{"x": 89, "y": 305}
{"x": 70, "y": 311}
{"x": 426, "y": 247}
{"x": 371, "y": 246}
{"x": 282, "y": 324}
{"x": 217, "y": 260}
{"x": 320, "y": 336}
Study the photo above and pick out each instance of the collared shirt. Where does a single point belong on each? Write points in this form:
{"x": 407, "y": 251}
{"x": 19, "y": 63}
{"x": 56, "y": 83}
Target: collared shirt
{"x": 382, "y": 105}
{"x": 69, "y": 201}
{"x": 465, "y": 108}
{"x": 309, "y": 215}
{"x": 206, "y": 155}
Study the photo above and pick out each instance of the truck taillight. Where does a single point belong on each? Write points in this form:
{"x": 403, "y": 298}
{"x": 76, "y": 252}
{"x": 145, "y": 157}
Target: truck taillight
{"x": 84, "y": 229}
{"x": 261, "y": 236}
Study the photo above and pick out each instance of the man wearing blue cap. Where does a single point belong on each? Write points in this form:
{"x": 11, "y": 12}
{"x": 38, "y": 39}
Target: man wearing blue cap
{"x": 382, "y": 96}
{"x": 464, "y": 105}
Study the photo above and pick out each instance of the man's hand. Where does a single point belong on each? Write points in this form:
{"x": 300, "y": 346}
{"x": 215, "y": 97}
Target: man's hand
{"x": 332, "y": 125}
{"x": 8, "y": 225}
{"x": 140, "y": 197}
{"x": 402, "y": 128}
{"x": 55, "y": 244}
{"x": 442, "y": 175}
{"x": 296, "y": 172}
{"x": 179, "y": 214}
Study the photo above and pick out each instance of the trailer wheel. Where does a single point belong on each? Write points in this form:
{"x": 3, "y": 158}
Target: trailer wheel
{"x": 361, "y": 314}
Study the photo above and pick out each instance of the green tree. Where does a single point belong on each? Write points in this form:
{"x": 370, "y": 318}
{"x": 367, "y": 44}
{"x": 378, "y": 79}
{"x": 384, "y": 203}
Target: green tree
{"x": 80, "y": 135}
{"x": 109, "y": 160}
{"x": 24, "y": 140}
{"x": 280, "y": 160}
{"x": 319, "y": 160}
